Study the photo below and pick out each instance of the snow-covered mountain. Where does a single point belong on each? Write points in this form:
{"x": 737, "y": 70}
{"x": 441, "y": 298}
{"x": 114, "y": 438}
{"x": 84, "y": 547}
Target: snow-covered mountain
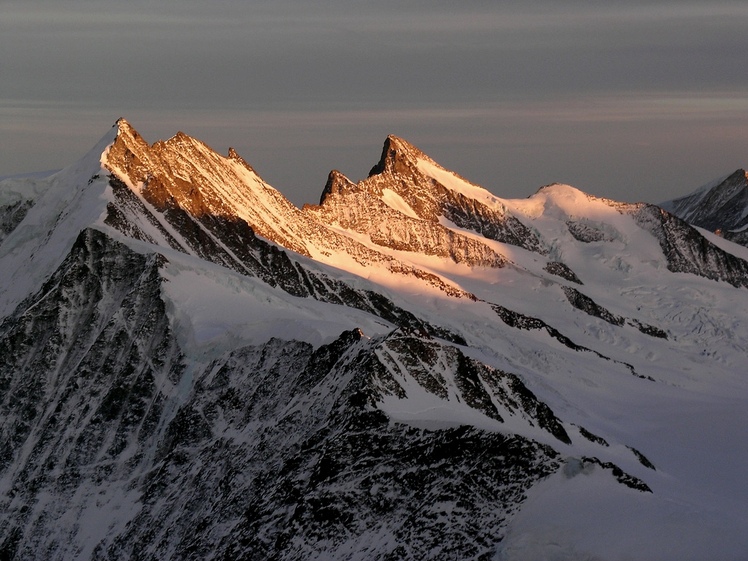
{"x": 720, "y": 206}
{"x": 194, "y": 368}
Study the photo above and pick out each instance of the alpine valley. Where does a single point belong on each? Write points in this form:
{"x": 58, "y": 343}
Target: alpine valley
{"x": 191, "y": 367}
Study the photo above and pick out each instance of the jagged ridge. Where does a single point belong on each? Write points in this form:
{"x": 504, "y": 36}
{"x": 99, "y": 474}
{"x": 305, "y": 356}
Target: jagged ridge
{"x": 400, "y": 171}
{"x": 279, "y": 442}
{"x": 722, "y": 207}
{"x": 199, "y": 444}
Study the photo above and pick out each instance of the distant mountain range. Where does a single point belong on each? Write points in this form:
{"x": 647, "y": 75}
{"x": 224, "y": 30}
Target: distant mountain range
{"x": 194, "y": 368}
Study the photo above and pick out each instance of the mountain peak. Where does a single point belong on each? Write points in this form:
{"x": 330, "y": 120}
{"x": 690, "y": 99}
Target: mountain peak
{"x": 122, "y": 124}
{"x": 408, "y": 188}
{"x": 721, "y": 205}
{"x": 168, "y": 320}
{"x": 336, "y": 183}
{"x": 127, "y": 134}
{"x": 561, "y": 189}
{"x": 398, "y": 156}
{"x": 397, "y": 142}
{"x": 129, "y": 155}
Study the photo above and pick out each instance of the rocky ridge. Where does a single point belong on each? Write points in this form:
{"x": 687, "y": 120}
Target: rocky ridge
{"x": 219, "y": 209}
{"x": 401, "y": 182}
{"x": 496, "y": 363}
{"x": 718, "y": 207}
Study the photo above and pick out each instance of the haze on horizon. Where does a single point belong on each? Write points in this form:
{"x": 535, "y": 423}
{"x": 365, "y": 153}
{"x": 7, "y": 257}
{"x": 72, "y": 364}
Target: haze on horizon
{"x": 638, "y": 101}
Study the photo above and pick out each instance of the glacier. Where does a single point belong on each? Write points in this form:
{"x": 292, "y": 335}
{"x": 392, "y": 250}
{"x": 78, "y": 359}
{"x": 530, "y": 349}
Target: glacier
{"x": 414, "y": 368}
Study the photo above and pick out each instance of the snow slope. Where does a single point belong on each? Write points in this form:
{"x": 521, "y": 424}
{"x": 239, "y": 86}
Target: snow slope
{"x": 587, "y": 353}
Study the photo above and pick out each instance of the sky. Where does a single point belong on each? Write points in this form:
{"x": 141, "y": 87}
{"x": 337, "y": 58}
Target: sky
{"x": 635, "y": 101}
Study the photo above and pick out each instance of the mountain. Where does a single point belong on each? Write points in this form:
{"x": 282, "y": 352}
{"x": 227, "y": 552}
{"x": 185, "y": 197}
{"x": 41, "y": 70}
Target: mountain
{"x": 194, "y": 368}
{"x": 720, "y": 206}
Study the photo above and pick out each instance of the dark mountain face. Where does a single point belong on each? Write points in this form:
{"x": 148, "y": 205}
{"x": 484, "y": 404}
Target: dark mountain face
{"x": 277, "y": 452}
{"x": 284, "y": 445}
{"x": 185, "y": 371}
{"x": 719, "y": 208}
{"x": 87, "y": 363}
{"x": 687, "y": 251}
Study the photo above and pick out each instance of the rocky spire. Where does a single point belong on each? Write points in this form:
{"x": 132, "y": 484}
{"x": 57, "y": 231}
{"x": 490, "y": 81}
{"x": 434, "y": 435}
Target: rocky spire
{"x": 337, "y": 183}
{"x": 398, "y": 156}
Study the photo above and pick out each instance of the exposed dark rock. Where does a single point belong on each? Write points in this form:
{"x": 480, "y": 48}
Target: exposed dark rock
{"x": 303, "y": 466}
{"x": 592, "y": 437}
{"x": 11, "y": 216}
{"x": 720, "y": 208}
{"x": 562, "y": 270}
{"x": 538, "y": 410}
{"x": 84, "y": 364}
{"x": 590, "y": 307}
{"x": 650, "y": 330}
{"x": 687, "y": 251}
{"x": 740, "y": 237}
{"x": 587, "y": 233}
{"x": 521, "y": 321}
{"x": 620, "y": 475}
{"x": 642, "y": 458}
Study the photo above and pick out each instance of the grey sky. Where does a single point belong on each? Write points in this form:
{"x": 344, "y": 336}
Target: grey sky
{"x": 633, "y": 101}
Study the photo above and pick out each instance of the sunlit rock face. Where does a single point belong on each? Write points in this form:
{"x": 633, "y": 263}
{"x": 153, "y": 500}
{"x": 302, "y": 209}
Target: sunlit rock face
{"x": 404, "y": 201}
{"x": 193, "y": 368}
